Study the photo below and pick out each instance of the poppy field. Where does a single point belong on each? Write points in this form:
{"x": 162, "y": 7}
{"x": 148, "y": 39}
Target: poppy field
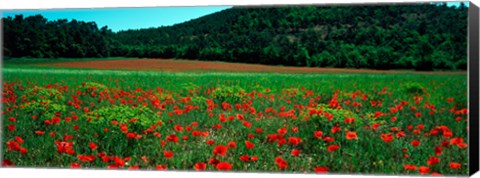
{"x": 407, "y": 124}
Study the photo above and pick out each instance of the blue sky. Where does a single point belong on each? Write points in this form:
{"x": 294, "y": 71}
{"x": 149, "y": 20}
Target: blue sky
{"x": 130, "y": 18}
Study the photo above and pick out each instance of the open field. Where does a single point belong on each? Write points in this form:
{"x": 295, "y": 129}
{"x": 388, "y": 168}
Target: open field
{"x": 220, "y": 121}
{"x": 170, "y": 65}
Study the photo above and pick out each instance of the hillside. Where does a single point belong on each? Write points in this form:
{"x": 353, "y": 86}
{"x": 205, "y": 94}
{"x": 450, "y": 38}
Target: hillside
{"x": 420, "y": 36}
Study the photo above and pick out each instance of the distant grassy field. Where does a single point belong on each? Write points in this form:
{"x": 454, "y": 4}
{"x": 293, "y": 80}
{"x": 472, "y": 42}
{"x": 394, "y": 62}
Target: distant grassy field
{"x": 261, "y": 122}
{"x": 178, "y": 65}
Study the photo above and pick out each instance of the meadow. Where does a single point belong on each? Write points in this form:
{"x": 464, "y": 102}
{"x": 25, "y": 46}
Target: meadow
{"x": 232, "y": 121}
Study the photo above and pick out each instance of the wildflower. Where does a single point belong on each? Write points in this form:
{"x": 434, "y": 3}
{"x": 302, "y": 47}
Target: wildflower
{"x": 168, "y": 154}
{"x": 320, "y": 169}
{"x": 295, "y": 152}
{"x": 200, "y": 166}
{"x": 351, "y": 136}
{"x": 224, "y": 166}
{"x": 455, "y": 165}
{"x": 220, "y": 150}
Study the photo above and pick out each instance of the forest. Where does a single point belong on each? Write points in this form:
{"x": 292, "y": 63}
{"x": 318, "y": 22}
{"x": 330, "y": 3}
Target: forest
{"x": 420, "y": 36}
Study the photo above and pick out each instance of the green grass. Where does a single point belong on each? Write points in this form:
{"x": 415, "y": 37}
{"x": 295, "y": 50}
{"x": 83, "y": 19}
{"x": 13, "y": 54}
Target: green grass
{"x": 30, "y": 61}
{"x": 368, "y": 154}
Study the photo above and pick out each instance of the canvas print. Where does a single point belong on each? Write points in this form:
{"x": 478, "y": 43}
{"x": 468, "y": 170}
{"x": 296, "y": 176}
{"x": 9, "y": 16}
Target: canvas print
{"x": 304, "y": 89}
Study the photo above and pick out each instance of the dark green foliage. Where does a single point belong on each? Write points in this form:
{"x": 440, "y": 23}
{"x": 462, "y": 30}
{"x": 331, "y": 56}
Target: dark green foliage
{"x": 36, "y": 37}
{"x": 423, "y": 36}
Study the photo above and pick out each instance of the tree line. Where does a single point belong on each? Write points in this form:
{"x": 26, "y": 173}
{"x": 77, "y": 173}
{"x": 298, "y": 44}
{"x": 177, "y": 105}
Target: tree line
{"x": 404, "y": 36}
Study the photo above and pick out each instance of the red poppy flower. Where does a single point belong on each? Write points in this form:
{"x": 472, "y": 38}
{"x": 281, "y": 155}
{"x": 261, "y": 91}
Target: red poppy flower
{"x": 161, "y": 167}
{"x": 19, "y": 139}
{"x": 259, "y": 130}
{"x": 415, "y": 143}
{"x": 247, "y": 124}
{"x": 409, "y": 167}
{"x": 12, "y": 119}
{"x": 420, "y": 126}
{"x": 445, "y": 143}
{"x": 294, "y": 140}
{"x": 438, "y": 150}
{"x": 224, "y": 166}
{"x": 328, "y": 139}
{"x": 455, "y": 165}
{"x": 178, "y": 128}
{"x": 172, "y": 138}
{"x": 232, "y": 144}
{"x": 93, "y": 146}
{"x": 455, "y": 141}
{"x": 254, "y": 158}
{"x": 245, "y": 158}
{"x": 418, "y": 114}
{"x": 351, "y": 136}
{"x": 67, "y": 137}
{"x": 349, "y": 120}
{"x": 249, "y": 145}
{"x": 47, "y": 122}
{"x": 335, "y": 129}
{"x": 294, "y": 129}
{"x": 13, "y": 145}
{"x": 112, "y": 166}
{"x": 210, "y": 142}
{"x": 433, "y": 160}
{"x": 55, "y": 120}
{"x": 282, "y": 131}
{"x": 281, "y": 141}
{"x": 200, "y": 166}
{"x": 135, "y": 167}
{"x": 205, "y": 134}
{"x": 7, "y": 163}
{"x": 119, "y": 162}
{"x": 320, "y": 169}
{"x": 85, "y": 158}
{"x": 123, "y": 128}
{"x": 75, "y": 165}
{"x": 400, "y": 134}
{"x": 393, "y": 119}
{"x": 213, "y": 161}
{"x": 105, "y": 159}
{"x": 462, "y": 145}
{"x": 168, "y": 154}
{"x": 281, "y": 163}
{"x": 23, "y": 150}
{"x": 295, "y": 152}
{"x": 333, "y": 148}
{"x": 220, "y": 150}
{"x": 222, "y": 118}
{"x": 11, "y": 127}
{"x": 38, "y": 132}
{"x": 131, "y": 135}
{"x": 423, "y": 170}
{"x": 144, "y": 159}
{"x": 318, "y": 134}
{"x": 240, "y": 117}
